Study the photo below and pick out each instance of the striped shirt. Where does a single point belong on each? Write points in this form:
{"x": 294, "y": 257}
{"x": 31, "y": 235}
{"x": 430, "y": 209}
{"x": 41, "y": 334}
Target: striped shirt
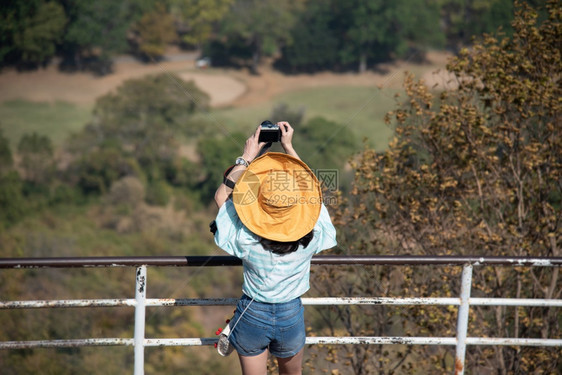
{"x": 270, "y": 277}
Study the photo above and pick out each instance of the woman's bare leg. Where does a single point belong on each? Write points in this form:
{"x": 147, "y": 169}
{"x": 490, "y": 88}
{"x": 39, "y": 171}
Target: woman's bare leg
{"x": 256, "y": 365}
{"x": 291, "y": 365}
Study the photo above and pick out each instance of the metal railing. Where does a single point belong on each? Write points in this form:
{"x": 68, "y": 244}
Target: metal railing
{"x": 140, "y": 302}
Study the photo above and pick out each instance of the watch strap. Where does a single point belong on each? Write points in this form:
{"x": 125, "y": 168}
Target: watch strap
{"x": 225, "y": 180}
{"x": 229, "y": 183}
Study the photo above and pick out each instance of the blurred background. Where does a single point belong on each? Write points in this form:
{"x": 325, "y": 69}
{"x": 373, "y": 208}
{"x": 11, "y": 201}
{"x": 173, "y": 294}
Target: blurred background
{"x": 118, "y": 118}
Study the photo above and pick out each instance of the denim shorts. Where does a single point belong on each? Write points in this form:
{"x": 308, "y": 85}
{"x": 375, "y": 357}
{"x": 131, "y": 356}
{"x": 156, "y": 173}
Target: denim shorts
{"x": 278, "y": 327}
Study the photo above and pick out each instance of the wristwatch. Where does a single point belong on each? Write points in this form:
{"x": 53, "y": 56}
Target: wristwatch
{"x": 241, "y": 161}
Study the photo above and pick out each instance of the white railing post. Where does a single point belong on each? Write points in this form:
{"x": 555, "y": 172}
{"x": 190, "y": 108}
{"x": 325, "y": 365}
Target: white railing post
{"x": 140, "y": 312}
{"x": 462, "y": 319}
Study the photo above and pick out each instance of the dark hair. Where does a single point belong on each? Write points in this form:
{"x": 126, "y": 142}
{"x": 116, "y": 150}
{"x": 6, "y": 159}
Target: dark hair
{"x": 282, "y": 248}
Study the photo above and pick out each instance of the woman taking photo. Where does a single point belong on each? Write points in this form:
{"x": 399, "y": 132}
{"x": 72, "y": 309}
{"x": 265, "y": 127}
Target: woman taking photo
{"x": 271, "y": 216}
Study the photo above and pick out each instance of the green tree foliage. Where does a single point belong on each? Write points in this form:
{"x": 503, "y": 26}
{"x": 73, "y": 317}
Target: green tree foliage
{"x": 473, "y": 170}
{"x": 95, "y": 171}
{"x": 12, "y": 202}
{"x": 97, "y": 30}
{"x": 37, "y": 161}
{"x": 200, "y": 17}
{"x": 282, "y": 112}
{"x": 325, "y": 144}
{"x": 6, "y": 158}
{"x": 379, "y": 29}
{"x": 339, "y": 34}
{"x": 138, "y": 125}
{"x": 217, "y": 154}
{"x": 313, "y": 34}
{"x": 263, "y": 25}
{"x": 158, "y": 193}
{"x": 11, "y": 198}
{"x": 30, "y": 31}
{"x": 231, "y": 52}
{"x": 154, "y": 31}
{"x": 315, "y": 41}
{"x": 463, "y": 19}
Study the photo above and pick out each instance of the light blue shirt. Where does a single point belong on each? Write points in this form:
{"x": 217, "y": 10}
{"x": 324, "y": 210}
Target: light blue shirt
{"x": 270, "y": 277}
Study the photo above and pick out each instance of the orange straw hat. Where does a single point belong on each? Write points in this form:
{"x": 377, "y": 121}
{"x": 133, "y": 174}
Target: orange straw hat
{"x": 278, "y": 197}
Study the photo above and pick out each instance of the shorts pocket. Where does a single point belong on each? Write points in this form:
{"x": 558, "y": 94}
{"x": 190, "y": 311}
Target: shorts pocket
{"x": 291, "y": 338}
{"x": 249, "y": 338}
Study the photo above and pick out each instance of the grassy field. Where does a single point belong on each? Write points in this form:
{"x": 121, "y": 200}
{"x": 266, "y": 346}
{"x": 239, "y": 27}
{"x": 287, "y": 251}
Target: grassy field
{"x": 57, "y": 120}
{"x": 361, "y": 109}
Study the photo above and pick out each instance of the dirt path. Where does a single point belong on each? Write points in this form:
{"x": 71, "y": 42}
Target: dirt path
{"x": 225, "y": 86}
{"x": 49, "y": 85}
{"x": 270, "y": 83}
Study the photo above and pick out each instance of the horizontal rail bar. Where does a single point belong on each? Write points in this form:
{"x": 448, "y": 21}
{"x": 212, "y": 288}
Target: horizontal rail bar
{"x": 367, "y": 340}
{"x": 433, "y": 341}
{"x": 529, "y": 302}
{"x": 153, "y": 302}
{"x": 327, "y": 301}
{"x": 364, "y": 340}
{"x": 66, "y": 303}
{"x": 162, "y": 261}
{"x": 191, "y": 301}
{"x": 215, "y": 261}
{"x": 512, "y": 341}
{"x": 65, "y": 343}
{"x": 432, "y": 301}
{"x": 202, "y": 341}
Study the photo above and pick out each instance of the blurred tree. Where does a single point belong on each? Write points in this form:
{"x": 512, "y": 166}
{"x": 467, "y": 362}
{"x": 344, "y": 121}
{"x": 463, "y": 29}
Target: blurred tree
{"x": 264, "y": 25}
{"x": 154, "y": 31}
{"x": 95, "y": 171}
{"x": 371, "y": 26}
{"x": 37, "y": 158}
{"x": 217, "y": 154}
{"x": 282, "y": 112}
{"x": 315, "y": 42}
{"x": 12, "y": 204}
{"x": 200, "y": 17}
{"x": 231, "y": 52}
{"x": 30, "y": 31}
{"x": 128, "y": 191}
{"x": 474, "y": 170}
{"x": 97, "y": 30}
{"x": 381, "y": 30}
{"x": 157, "y": 193}
{"x": 325, "y": 144}
{"x": 182, "y": 172}
{"x": 142, "y": 120}
{"x": 334, "y": 34}
{"x": 6, "y": 158}
{"x": 463, "y": 19}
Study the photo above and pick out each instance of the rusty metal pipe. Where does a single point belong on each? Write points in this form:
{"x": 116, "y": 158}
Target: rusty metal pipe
{"x": 215, "y": 261}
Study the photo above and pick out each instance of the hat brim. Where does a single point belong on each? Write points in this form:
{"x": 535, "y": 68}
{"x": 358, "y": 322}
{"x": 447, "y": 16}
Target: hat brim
{"x": 283, "y": 209}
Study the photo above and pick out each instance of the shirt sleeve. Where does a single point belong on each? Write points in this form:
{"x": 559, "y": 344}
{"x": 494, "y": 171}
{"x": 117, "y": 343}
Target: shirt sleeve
{"x": 325, "y": 231}
{"x": 229, "y": 227}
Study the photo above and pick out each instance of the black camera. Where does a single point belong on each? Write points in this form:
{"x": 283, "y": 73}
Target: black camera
{"x": 269, "y": 132}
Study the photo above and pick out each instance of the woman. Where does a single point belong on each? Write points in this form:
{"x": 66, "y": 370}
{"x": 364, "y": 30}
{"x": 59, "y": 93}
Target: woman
{"x": 272, "y": 217}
